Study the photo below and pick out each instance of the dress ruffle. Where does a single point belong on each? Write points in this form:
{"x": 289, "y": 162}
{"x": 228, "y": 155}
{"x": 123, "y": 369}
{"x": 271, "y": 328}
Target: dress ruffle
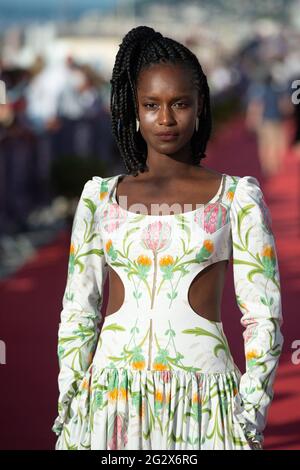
{"x": 122, "y": 409}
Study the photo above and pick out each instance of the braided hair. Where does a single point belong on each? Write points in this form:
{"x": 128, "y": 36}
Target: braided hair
{"x": 141, "y": 47}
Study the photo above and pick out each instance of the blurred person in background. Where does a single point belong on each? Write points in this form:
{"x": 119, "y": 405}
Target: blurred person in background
{"x": 16, "y": 155}
{"x": 265, "y": 114}
{"x": 82, "y": 118}
{"x": 42, "y": 101}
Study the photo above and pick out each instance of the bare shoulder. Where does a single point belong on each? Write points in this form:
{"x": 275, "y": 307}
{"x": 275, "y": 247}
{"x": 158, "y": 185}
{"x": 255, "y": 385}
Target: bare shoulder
{"x": 207, "y": 174}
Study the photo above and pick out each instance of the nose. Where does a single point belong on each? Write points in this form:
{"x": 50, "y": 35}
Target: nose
{"x": 166, "y": 117}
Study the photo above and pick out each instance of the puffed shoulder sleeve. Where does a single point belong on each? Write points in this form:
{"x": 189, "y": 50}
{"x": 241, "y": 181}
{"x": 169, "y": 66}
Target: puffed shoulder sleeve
{"x": 78, "y": 328}
{"x": 258, "y": 295}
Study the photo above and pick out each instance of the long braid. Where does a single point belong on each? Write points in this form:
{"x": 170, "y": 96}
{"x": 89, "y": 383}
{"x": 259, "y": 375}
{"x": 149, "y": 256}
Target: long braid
{"x": 140, "y": 48}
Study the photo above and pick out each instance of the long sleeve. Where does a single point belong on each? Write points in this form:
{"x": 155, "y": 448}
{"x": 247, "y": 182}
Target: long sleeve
{"x": 258, "y": 295}
{"x": 78, "y": 329}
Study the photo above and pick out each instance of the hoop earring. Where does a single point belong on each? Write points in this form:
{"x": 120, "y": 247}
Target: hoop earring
{"x": 197, "y": 124}
{"x": 137, "y": 125}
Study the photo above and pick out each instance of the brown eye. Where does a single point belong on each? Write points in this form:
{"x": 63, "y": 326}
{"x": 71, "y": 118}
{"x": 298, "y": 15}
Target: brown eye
{"x": 149, "y": 104}
{"x": 182, "y": 104}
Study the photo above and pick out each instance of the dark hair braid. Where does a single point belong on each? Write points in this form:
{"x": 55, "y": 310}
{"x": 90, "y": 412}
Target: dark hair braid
{"x": 140, "y": 48}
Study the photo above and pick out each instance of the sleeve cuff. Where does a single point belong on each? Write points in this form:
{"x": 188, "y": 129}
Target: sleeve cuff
{"x": 58, "y": 425}
{"x": 246, "y": 421}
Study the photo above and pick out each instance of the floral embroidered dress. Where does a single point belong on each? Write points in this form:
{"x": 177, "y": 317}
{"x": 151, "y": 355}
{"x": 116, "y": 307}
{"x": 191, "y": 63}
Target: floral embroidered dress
{"x": 158, "y": 375}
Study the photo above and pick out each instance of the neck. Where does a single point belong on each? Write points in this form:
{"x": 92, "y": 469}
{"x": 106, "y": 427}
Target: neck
{"x": 169, "y": 166}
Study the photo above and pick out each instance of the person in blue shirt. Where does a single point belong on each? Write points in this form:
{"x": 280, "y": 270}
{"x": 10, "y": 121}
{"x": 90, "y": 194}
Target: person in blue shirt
{"x": 265, "y": 115}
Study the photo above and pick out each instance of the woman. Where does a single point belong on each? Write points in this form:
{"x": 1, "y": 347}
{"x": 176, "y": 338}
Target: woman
{"x": 161, "y": 375}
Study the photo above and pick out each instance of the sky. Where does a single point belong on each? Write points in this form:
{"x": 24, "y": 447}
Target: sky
{"x": 43, "y": 9}
{"x": 17, "y": 11}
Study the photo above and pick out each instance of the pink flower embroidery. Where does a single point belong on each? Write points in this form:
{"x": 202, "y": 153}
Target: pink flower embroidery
{"x": 113, "y": 217}
{"x": 250, "y": 333}
{"x": 166, "y": 376}
{"x": 215, "y": 216}
{"x": 251, "y": 328}
{"x": 157, "y": 236}
{"x": 248, "y": 321}
{"x": 119, "y": 438}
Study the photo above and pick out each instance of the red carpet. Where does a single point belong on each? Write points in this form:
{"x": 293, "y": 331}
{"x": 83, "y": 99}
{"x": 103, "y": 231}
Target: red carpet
{"x": 31, "y": 304}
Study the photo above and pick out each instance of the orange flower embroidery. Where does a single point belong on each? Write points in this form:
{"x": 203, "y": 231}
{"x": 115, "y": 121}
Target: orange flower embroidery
{"x": 166, "y": 261}
{"x": 144, "y": 260}
{"x": 268, "y": 251}
{"x": 209, "y": 246}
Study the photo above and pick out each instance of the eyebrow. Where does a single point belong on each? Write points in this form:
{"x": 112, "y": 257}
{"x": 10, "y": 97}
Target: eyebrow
{"x": 156, "y": 98}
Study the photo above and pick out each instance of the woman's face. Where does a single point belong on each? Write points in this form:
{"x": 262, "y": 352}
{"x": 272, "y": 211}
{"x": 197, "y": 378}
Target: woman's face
{"x": 167, "y": 102}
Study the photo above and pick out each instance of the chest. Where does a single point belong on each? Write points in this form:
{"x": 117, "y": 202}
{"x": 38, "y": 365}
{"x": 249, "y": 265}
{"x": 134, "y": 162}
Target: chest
{"x": 163, "y": 199}
{"x": 198, "y": 235}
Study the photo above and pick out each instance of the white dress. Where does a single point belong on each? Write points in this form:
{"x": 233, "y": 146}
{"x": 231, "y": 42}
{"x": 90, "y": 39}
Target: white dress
{"x": 159, "y": 375}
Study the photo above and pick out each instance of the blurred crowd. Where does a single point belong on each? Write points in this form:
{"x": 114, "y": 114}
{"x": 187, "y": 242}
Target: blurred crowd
{"x": 273, "y": 69}
{"x": 55, "y": 133}
{"x": 52, "y": 112}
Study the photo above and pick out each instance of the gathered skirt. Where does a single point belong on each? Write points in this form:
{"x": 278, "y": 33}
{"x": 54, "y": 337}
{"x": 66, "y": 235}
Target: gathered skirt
{"x": 126, "y": 409}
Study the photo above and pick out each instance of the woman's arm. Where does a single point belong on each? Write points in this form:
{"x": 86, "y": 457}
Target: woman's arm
{"x": 82, "y": 300}
{"x": 257, "y": 288}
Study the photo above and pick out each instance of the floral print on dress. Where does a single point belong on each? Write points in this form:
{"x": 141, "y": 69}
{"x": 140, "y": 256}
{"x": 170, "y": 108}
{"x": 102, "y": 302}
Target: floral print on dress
{"x": 215, "y": 216}
{"x": 257, "y": 287}
{"x": 160, "y": 375}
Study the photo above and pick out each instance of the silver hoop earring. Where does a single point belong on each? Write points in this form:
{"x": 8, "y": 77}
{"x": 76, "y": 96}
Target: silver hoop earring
{"x": 197, "y": 124}
{"x": 137, "y": 125}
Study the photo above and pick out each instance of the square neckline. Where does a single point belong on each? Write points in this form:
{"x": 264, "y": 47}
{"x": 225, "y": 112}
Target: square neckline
{"x": 214, "y": 199}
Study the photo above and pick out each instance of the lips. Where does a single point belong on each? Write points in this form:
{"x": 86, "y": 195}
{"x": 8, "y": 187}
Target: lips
{"x": 167, "y": 136}
{"x": 162, "y": 134}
